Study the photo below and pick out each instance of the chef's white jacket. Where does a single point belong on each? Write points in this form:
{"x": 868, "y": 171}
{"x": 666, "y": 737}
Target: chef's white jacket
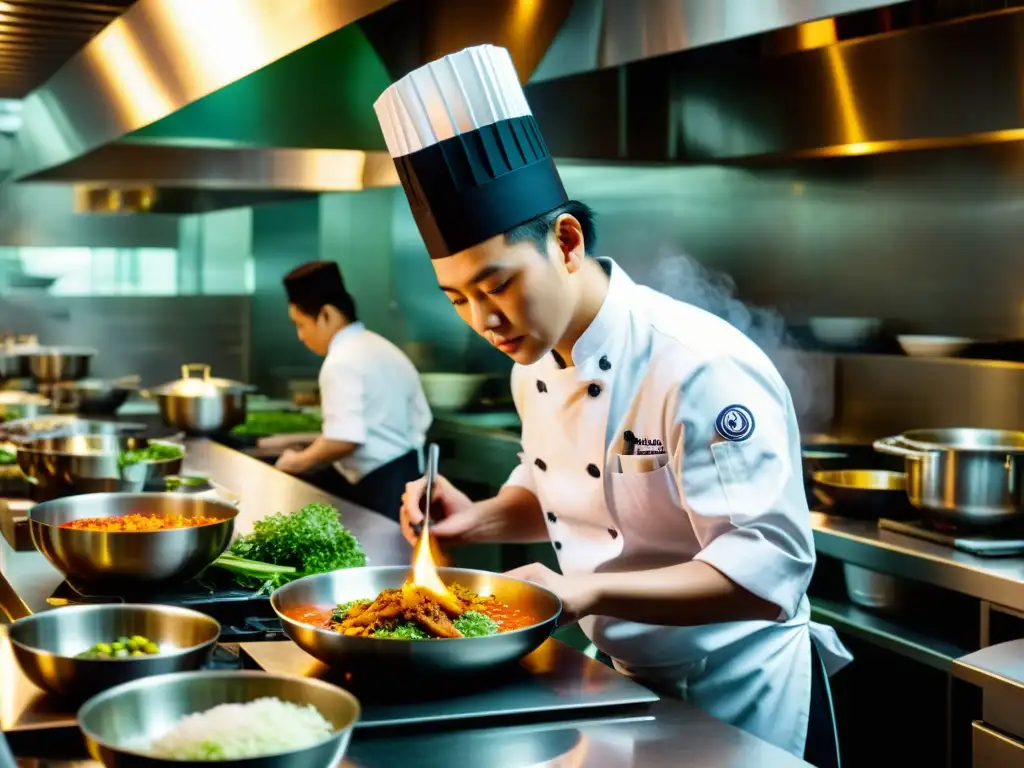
{"x": 371, "y": 395}
{"x": 658, "y": 378}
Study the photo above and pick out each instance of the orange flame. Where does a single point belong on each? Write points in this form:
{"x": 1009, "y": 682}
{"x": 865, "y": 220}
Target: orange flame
{"x": 424, "y": 571}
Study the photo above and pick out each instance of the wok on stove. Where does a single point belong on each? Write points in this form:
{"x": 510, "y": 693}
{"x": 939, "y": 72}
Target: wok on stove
{"x": 414, "y": 657}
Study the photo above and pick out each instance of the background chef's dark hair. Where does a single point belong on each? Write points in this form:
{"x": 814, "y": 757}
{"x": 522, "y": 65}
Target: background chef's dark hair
{"x": 536, "y": 230}
{"x": 311, "y": 288}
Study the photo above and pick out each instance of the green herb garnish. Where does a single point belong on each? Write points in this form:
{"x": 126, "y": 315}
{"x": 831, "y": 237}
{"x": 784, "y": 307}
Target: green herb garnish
{"x": 152, "y": 452}
{"x": 7, "y": 457}
{"x": 341, "y": 610}
{"x": 283, "y": 547}
{"x": 474, "y": 624}
{"x": 266, "y": 423}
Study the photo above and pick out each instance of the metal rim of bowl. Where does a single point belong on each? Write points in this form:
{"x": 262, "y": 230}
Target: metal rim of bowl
{"x": 22, "y": 448}
{"x": 924, "y": 447}
{"x": 824, "y": 478}
{"x": 166, "y": 609}
{"x": 153, "y": 680}
{"x": 369, "y": 640}
{"x": 232, "y": 511}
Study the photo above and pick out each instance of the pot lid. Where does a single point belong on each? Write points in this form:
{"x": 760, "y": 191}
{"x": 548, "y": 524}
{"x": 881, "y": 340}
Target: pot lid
{"x": 196, "y": 381}
{"x": 964, "y": 439}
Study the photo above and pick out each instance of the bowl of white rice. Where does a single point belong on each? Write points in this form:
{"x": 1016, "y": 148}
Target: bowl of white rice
{"x": 245, "y": 719}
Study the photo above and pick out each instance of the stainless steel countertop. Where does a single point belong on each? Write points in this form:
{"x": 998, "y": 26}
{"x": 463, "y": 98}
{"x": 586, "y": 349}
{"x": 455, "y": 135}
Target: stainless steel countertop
{"x": 27, "y": 579}
{"x": 668, "y": 734}
{"x": 653, "y": 737}
{"x": 998, "y": 580}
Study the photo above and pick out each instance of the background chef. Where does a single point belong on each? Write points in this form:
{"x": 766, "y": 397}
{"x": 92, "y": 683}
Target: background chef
{"x": 661, "y": 454}
{"x": 375, "y": 415}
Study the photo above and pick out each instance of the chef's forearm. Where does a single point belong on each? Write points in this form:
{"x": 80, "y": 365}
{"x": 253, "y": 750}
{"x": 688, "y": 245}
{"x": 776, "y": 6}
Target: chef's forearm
{"x": 681, "y": 595}
{"x": 324, "y": 451}
{"x": 513, "y": 516}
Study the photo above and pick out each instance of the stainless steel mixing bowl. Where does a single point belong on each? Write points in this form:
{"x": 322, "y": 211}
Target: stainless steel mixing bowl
{"x": 53, "y": 364}
{"x": 120, "y": 723}
{"x": 421, "y": 657}
{"x": 91, "y": 464}
{"x": 131, "y": 560}
{"x": 45, "y": 645}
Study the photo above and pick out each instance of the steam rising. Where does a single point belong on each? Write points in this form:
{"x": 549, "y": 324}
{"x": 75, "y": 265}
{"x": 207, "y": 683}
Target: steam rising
{"x": 683, "y": 278}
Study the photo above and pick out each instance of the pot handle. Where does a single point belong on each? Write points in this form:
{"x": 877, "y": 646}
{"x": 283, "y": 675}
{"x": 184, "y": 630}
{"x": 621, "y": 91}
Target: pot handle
{"x": 188, "y": 369}
{"x": 891, "y": 446}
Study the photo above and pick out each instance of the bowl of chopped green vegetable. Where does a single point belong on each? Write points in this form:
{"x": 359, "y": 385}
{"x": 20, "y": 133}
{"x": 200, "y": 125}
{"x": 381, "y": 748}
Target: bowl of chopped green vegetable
{"x": 99, "y": 463}
{"x": 77, "y": 651}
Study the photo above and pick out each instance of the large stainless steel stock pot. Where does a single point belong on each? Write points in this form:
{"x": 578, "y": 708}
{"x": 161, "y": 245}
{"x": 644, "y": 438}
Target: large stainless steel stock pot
{"x": 962, "y": 476}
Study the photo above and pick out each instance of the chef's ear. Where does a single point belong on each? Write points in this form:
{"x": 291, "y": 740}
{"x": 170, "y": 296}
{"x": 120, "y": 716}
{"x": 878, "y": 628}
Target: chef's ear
{"x": 329, "y": 314}
{"x": 569, "y": 234}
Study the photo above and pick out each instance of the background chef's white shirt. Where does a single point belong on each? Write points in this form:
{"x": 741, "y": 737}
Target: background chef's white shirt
{"x": 370, "y": 394}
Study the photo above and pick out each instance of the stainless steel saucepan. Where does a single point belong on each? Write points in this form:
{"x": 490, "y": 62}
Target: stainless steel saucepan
{"x": 963, "y": 476}
{"x": 199, "y": 404}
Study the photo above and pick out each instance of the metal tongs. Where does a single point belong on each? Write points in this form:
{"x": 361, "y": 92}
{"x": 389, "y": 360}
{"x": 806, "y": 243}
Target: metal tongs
{"x": 433, "y": 455}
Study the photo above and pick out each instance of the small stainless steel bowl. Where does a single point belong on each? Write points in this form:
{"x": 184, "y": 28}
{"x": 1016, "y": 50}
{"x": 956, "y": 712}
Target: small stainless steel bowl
{"x": 120, "y": 723}
{"x": 369, "y": 655}
{"x": 45, "y": 645}
{"x": 863, "y": 493}
{"x": 137, "y": 560}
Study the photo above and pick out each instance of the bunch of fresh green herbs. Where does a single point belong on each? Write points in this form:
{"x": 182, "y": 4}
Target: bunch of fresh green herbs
{"x": 266, "y": 423}
{"x": 284, "y": 547}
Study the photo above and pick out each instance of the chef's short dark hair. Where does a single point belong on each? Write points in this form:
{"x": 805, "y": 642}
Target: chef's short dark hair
{"x": 317, "y": 284}
{"x": 536, "y": 230}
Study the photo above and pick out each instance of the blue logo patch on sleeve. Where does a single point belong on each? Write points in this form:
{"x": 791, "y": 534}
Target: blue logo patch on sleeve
{"x": 735, "y": 423}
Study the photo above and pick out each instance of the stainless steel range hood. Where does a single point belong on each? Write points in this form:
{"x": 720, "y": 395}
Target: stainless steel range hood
{"x": 803, "y": 92}
{"x": 246, "y": 102}
{"x": 247, "y": 96}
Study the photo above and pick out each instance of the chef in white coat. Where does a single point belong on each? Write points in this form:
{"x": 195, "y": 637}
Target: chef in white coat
{"x": 375, "y": 414}
{"x": 661, "y": 454}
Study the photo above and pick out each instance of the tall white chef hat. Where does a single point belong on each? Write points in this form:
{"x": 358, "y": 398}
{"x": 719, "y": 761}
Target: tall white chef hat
{"x": 468, "y": 150}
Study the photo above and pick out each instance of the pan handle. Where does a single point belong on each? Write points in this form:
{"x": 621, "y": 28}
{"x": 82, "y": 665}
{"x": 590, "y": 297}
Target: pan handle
{"x": 891, "y": 446}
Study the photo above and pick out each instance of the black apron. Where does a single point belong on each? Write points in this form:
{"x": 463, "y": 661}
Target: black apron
{"x": 822, "y": 747}
{"x": 380, "y": 491}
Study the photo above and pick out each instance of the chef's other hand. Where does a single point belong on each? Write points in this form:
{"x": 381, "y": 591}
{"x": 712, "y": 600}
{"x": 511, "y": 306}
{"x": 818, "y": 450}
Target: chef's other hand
{"x": 290, "y": 461}
{"x": 575, "y": 592}
{"x": 448, "y": 500}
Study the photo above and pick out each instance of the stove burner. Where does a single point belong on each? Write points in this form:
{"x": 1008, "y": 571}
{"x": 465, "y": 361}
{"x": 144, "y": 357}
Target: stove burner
{"x": 243, "y": 616}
